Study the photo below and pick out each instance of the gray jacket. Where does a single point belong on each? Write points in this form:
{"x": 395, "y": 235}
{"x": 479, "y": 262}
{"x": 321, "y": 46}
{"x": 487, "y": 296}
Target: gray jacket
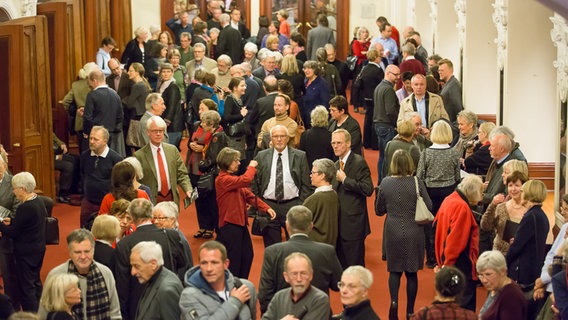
{"x": 199, "y": 301}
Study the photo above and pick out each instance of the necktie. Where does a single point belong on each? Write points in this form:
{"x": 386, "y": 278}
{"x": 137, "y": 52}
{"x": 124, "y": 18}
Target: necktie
{"x": 163, "y": 178}
{"x": 279, "y": 178}
{"x": 341, "y": 165}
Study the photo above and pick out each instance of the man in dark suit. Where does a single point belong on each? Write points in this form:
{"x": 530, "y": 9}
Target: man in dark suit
{"x": 282, "y": 181}
{"x": 238, "y": 25}
{"x": 268, "y": 66}
{"x": 353, "y": 185}
{"x": 452, "y": 91}
{"x": 128, "y": 288}
{"x": 264, "y": 107}
{"x": 163, "y": 288}
{"x": 341, "y": 67}
{"x": 104, "y": 108}
{"x": 230, "y": 41}
{"x": 319, "y": 36}
{"x": 362, "y": 93}
{"x": 118, "y": 79}
{"x": 163, "y": 184}
{"x": 327, "y": 270}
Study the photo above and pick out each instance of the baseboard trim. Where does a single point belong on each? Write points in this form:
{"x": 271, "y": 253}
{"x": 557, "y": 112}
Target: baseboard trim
{"x": 543, "y": 171}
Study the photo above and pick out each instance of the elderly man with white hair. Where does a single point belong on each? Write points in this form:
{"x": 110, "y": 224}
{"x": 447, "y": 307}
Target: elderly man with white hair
{"x": 222, "y": 74}
{"x": 163, "y": 287}
{"x": 165, "y": 216}
{"x": 250, "y": 51}
{"x": 268, "y": 65}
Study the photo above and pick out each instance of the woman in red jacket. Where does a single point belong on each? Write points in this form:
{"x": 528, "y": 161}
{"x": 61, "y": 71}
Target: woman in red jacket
{"x": 457, "y": 234}
{"x": 233, "y": 194}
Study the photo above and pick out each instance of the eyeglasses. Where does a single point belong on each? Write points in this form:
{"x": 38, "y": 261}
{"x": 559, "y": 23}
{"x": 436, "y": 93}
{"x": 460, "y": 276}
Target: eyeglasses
{"x": 157, "y": 131}
{"x": 486, "y": 275}
{"x": 279, "y": 136}
{"x": 395, "y": 74}
{"x": 348, "y": 286}
{"x": 314, "y": 172}
{"x": 301, "y": 274}
{"x": 161, "y": 218}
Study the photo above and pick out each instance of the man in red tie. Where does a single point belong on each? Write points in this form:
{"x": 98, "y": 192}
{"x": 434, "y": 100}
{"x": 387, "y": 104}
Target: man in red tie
{"x": 162, "y": 165}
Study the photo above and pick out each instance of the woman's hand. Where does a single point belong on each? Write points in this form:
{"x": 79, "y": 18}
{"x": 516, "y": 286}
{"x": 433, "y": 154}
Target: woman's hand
{"x": 271, "y": 212}
{"x": 498, "y": 198}
{"x": 253, "y": 163}
{"x": 244, "y": 111}
{"x": 196, "y": 147}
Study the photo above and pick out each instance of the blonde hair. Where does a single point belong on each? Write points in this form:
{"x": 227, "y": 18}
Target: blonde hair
{"x": 53, "y": 294}
{"x": 441, "y": 132}
{"x": 534, "y": 191}
{"x": 406, "y": 128}
{"x": 106, "y": 227}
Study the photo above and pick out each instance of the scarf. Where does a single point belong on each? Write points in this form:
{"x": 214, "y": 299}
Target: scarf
{"x": 165, "y": 85}
{"x": 462, "y": 143}
{"x": 98, "y": 302}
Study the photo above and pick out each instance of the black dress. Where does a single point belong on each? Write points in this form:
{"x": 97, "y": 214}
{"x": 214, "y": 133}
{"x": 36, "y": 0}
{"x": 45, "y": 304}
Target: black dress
{"x": 60, "y": 315}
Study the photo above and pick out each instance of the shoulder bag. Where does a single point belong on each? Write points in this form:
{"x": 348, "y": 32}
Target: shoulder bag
{"x": 422, "y": 215}
{"x": 51, "y": 230}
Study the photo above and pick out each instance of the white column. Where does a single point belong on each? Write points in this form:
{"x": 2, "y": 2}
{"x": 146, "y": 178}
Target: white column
{"x": 424, "y": 24}
{"x": 480, "y": 84}
{"x": 447, "y": 40}
{"x": 530, "y": 94}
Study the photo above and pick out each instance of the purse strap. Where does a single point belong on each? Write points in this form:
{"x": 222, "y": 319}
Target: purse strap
{"x": 417, "y": 190}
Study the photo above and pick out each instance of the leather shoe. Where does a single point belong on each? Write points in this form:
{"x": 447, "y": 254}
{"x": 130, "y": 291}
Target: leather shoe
{"x": 63, "y": 199}
{"x": 75, "y": 202}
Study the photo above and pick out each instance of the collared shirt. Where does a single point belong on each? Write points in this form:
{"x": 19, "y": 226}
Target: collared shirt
{"x": 155, "y": 156}
{"x": 291, "y": 191}
{"x": 323, "y": 189}
{"x": 102, "y": 86}
{"x": 421, "y": 109}
{"x": 235, "y": 25}
{"x": 103, "y": 155}
{"x": 503, "y": 159}
{"x": 388, "y": 44}
{"x": 344, "y": 159}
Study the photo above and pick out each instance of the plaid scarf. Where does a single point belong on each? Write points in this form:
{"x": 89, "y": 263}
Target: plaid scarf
{"x": 98, "y": 302}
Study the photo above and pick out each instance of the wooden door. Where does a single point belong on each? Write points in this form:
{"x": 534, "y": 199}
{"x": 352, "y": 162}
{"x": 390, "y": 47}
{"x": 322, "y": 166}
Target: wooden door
{"x": 26, "y": 125}
{"x": 56, "y": 14}
{"x": 303, "y": 17}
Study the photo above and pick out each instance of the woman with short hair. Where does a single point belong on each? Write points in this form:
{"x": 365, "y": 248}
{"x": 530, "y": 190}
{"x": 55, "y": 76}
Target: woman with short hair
{"x": 298, "y": 43}
{"x": 467, "y": 124}
{"x": 403, "y": 237}
{"x": 311, "y": 139}
{"x": 60, "y": 294}
{"x": 505, "y": 299}
{"x": 27, "y": 231}
{"x": 449, "y": 284}
{"x": 106, "y": 229}
{"x": 457, "y": 234}
{"x": 354, "y": 294}
{"x": 136, "y": 50}
{"x": 480, "y": 159}
{"x": 119, "y": 209}
{"x": 233, "y": 195}
{"x": 316, "y": 91}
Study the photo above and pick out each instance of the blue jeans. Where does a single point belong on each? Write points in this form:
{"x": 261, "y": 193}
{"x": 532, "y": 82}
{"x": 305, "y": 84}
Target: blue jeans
{"x": 384, "y": 135}
{"x": 174, "y": 138}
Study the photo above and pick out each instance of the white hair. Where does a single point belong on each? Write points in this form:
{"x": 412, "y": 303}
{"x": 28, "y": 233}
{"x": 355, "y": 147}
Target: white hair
{"x": 148, "y": 251}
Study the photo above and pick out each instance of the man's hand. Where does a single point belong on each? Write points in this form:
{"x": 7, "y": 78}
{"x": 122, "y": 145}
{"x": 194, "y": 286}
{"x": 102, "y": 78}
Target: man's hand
{"x": 241, "y": 293}
{"x": 81, "y": 111}
{"x": 64, "y": 148}
{"x": 340, "y": 175}
{"x": 289, "y": 317}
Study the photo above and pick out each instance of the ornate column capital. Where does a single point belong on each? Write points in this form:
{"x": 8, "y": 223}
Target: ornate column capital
{"x": 500, "y": 21}
{"x": 460, "y": 8}
{"x": 559, "y": 36}
{"x": 29, "y": 8}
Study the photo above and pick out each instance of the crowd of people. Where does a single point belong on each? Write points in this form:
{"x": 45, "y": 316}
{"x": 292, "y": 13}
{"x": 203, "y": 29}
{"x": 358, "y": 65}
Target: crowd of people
{"x": 270, "y": 136}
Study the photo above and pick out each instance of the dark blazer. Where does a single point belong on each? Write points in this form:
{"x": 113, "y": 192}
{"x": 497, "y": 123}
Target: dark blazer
{"x": 299, "y": 170}
{"x": 124, "y": 85}
{"x": 161, "y": 297}
{"x": 261, "y": 73}
{"x": 132, "y": 53}
{"x": 230, "y": 42}
{"x": 316, "y": 143}
{"x": 317, "y": 93}
{"x": 136, "y": 101}
{"x": 245, "y": 32}
{"x": 344, "y": 74}
{"x": 252, "y": 93}
{"x": 352, "y": 194}
{"x": 365, "y": 83}
{"x": 262, "y": 111}
{"x": 452, "y": 95}
{"x": 173, "y": 114}
{"x": 352, "y": 126}
{"x": 104, "y": 254}
{"x": 104, "y": 108}
{"x": 128, "y": 288}
{"x": 177, "y": 170}
{"x": 317, "y": 38}
{"x": 526, "y": 255}
{"x": 7, "y": 200}
{"x": 327, "y": 270}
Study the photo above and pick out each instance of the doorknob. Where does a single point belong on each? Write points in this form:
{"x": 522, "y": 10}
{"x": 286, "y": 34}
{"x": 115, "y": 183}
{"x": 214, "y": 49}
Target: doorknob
{"x": 309, "y": 25}
{"x": 298, "y": 26}
{"x": 16, "y": 145}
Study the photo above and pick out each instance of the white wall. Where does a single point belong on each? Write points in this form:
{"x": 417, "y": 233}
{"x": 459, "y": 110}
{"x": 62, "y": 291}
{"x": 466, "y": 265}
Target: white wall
{"x": 364, "y": 13}
{"x": 145, "y": 13}
{"x": 12, "y": 7}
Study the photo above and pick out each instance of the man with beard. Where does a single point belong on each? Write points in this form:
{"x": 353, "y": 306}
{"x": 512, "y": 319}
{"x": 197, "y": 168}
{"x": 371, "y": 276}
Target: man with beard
{"x": 301, "y": 300}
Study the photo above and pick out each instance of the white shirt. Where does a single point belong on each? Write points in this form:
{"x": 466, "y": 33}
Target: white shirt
{"x": 291, "y": 191}
{"x": 103, "y": 155}
{"x": 155, "y": 156}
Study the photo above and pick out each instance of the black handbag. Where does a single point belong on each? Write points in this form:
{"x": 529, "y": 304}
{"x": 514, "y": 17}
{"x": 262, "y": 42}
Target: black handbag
{"x": 238, "y": 129}
{"x": 51, "y": 230}
{"x": 206, "y": 182}
{"x": 259, "y": 223}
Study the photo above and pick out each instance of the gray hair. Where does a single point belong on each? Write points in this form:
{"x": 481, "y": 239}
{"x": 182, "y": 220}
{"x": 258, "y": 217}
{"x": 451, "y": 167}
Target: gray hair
{"x": 225, "y": 58}
{"x": 409, "y": 48}
{"x": 140, "y": 209}
{"x": 151, "y": 99}
{"x": 168, "y": 209}
{"x": 299, "y": 219}
{"x": 87, "y": 69}
{"x": 24, "y": 180}
{"x": 251, "y": 47}
{"x": 319, "y": 117}
{"x": 199, "y": 45}
{"x": 469, "y": 116}
{"x": 224, "y": 18}
{"x": 471, "y": 187}
{"x": 102, "y": 129}
{"x": 137, "y": 166}
{"x": 298, "y": 255}
{"x": 503, "y": 130}
{"x": 80, "y": 235}
{"x": 158, "y": 121}
{"x": 214, "y": 30}
{"x": 140, "y": 31}
{"x": 279, "y": 126}
{"x": 492, "y": 260}
{"x": 327, "y": 167}
{"x": 148, "y": 251}
{"x": 363, "y": 274}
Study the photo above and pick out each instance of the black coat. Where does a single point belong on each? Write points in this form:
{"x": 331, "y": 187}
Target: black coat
{"x": 230, "y": 43}
{"x": 174, "y": 113}
{"x": 132, "y": 53}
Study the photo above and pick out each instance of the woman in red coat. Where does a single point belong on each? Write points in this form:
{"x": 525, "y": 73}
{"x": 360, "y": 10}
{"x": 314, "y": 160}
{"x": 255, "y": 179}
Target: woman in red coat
{"x": 233, "y": 194}
{"x": 457, "y": 234}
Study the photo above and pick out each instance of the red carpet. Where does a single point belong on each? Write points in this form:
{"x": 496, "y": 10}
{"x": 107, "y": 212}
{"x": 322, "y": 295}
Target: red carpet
{"x": 379, "y": 294}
